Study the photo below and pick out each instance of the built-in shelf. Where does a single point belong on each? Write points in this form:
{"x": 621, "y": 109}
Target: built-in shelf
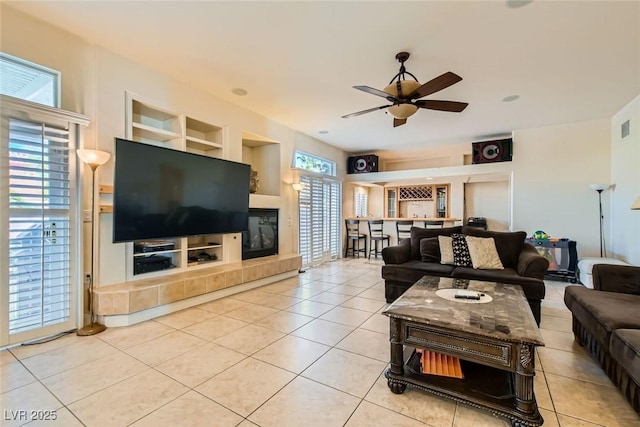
{"x": 151, "y": 124}
{"x": 142, "y": 133}
{"x": 202, "y": 145}
{"x": 203, "y": 138}
{"x": 263, "y": 155}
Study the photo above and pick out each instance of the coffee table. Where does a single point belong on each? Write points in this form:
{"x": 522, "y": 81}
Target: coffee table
{"x": 495, "y": 339}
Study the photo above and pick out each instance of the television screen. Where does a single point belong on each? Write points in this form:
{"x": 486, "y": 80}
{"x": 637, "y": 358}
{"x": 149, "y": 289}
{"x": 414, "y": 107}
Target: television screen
{"x": 160, "y": 193}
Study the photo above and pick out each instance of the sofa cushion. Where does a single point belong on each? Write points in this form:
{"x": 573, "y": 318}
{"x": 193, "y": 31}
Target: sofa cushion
{"x": 412, "y": 271}
{"x": 616, "y": 278}
{"x": 533, "y": 288}
{"x": 483, "y": 253}
{"x": 430, "y": 250}
{"x": 601, "y": 313}
{"x": 418, "y": 234}
{"x": 446, "y": 250}
{"x": 508, "y": 244}
{"x": 461, "y": 256}
{"x": 625, "y": 349}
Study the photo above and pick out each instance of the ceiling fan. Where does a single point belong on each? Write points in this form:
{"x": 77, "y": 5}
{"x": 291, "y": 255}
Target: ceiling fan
{"x": 405, "y": 95}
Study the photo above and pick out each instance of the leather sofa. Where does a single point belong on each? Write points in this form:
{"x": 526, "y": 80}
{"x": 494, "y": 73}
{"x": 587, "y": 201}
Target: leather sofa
{"x": 606, "y": 322}
{"x": 419, "y": 255}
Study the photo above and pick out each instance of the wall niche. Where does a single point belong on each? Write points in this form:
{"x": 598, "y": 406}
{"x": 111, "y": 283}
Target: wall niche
{"x": 263, "y": 154}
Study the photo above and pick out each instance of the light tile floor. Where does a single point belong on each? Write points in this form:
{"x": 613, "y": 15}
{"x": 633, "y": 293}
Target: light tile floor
{"x": 307, "y": 351}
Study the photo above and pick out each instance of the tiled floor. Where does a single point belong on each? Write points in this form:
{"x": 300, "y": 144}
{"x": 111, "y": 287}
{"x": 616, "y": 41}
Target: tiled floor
{"x": 307, "y": 351}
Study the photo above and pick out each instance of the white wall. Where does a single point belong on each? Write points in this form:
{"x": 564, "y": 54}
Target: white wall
{"x": 553, "y": 167}
{"x": 490, "y": 200}
{"x": 625, "y": 175}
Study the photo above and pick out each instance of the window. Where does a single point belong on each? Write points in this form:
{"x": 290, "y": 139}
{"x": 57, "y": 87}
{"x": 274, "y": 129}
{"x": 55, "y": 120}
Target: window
{"x": 311, "y": 163}
{"x": 320, "y": 208}
{"x": 360, "y": 204}
{"x": 31, "y": 82}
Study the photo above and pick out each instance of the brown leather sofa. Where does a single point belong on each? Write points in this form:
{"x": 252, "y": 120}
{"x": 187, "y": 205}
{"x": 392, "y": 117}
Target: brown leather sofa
{"x": 419, "y": 255}
{"x": 606, "y": 322}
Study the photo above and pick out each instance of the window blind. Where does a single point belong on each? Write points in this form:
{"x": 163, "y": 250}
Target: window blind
{"x": 39, "y": 225}
{"x": 320, "y": 212}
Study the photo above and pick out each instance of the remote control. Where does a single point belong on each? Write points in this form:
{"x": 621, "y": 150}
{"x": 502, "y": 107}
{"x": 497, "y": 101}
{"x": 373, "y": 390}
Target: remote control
{"x": 468, "y": 295}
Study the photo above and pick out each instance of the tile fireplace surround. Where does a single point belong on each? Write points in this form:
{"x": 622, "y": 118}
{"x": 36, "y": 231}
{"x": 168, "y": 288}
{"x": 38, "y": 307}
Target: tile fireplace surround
{"x": 138, "y": 295}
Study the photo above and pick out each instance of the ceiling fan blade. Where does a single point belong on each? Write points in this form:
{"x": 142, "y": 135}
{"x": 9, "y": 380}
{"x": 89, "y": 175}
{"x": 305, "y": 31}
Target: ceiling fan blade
{"x": 398, "y": 122}
{"x": 441, "y": 82}
{"x": 452, "y": 106}
{"x": 359, "y": 113}
{"x": 377, "y": 92}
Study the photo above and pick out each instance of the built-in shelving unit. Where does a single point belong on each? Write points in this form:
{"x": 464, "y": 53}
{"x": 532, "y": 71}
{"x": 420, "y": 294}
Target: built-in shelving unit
{"x": 203, "y": 138}
{"x": 151, "y": 124}
{"x": 203, "y": 250}
{"x": 417, "y": 201}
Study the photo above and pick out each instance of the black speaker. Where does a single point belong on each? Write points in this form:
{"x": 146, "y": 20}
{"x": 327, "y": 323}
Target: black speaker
{"x": 362, "y": 164}
{"x": 499, "y": 150}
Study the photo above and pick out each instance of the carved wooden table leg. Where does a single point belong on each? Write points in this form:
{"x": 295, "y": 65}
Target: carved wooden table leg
{"x": 525, "y": 371}
{"x": 397, "y": 357}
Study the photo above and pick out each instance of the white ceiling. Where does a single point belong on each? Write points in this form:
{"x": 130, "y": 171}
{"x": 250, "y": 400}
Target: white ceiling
{"x": 568, "y": 61}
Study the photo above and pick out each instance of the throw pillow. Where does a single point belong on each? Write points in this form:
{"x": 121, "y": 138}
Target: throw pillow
{"x": 446, "y": 249}
{"x": 483, "y": 253}
{"x": 430, "y": 249}
{"x": 418, "y": 234}
{"x": 461, "y": 256}
{"x": 508, "y": 243}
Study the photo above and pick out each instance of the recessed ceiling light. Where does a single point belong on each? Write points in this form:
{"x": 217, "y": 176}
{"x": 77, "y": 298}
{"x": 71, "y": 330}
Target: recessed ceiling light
{"x": 238, "y": 91}
{"x": 515, "y": 4}
{"x": 323, "y": 132}
{"x": 510, "y": 98}
{"x": 429, "y": 178}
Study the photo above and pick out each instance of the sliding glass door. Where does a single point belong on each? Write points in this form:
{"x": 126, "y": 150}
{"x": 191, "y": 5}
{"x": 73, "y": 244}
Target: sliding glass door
{"x": 320, "y": 216}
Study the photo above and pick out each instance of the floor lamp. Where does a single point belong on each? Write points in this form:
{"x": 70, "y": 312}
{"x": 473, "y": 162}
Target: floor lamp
{"x": 600, "y": 188}
{"x": 298, "y": 186}
{"x": 92, "y": 158}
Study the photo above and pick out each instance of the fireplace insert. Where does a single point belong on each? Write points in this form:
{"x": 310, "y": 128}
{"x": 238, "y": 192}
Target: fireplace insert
{"x": 262, "y": 237}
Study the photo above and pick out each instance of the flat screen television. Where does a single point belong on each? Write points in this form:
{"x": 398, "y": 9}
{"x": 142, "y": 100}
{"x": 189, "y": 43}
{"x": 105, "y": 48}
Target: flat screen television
{"x": 161, "y": 193}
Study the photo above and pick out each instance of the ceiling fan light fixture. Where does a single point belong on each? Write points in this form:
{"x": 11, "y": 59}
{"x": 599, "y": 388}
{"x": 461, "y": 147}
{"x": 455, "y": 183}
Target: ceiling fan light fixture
{"x": 402, "y": 111}
{"x": 407, "y": 86}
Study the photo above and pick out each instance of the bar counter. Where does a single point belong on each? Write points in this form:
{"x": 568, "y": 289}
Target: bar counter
{"x": 414, "y": 219}
{"x": 389, "y": 226}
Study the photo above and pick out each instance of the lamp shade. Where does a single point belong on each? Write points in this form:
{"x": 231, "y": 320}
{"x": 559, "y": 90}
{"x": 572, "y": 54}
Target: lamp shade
{"x": 636, "y": 205}
{"x": 93, "y": 158}
{"x": 599, "y": 187}
{"x": 298, "y": 186}
{"x": 402, "y": 111}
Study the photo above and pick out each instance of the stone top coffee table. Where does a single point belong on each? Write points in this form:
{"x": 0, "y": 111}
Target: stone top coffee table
{"x": 495, "y": 339}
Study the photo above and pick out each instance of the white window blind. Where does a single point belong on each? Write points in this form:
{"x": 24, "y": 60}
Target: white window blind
{"x": 360, "y": 204}
{"x": 39, "y": 225}
{"x": 320, "y": 211}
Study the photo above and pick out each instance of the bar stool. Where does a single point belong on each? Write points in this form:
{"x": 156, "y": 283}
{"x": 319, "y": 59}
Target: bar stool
{"x": 403, "y": 229}
{"x": 354, "y": 236}
{"x": 376, "y": 235}
{"x": 434, "y": 224}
